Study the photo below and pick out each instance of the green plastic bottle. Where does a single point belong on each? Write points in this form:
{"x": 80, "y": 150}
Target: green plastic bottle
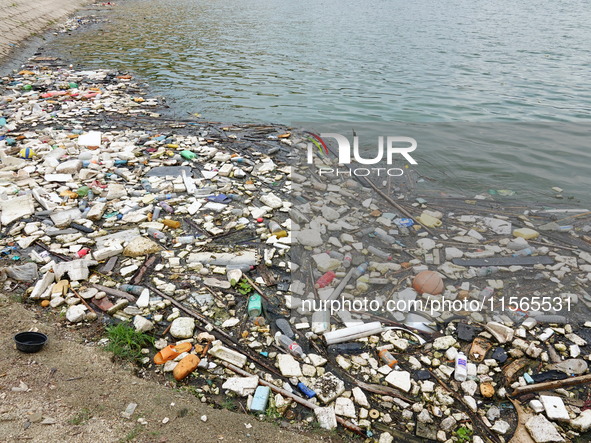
{"x": 255, "y": 306}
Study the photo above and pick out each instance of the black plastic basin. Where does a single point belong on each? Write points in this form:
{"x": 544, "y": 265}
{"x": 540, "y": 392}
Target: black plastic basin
{"x": 30, "y": 341}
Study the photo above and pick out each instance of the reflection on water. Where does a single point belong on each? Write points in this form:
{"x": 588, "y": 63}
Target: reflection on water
{"x": 386, "y": 60}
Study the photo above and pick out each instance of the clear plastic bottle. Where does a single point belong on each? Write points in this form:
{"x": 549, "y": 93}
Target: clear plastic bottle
{"x": 360, "y": 270}
{"x": 336, "y": 254}
{"x": 461, "y": 368}
{"x": 155, "y": 233}
{"x": 291, "y": 346}
{"x": 185, "y": 239}
{"x": 347, "y": 260}
{"x": 384, "y": 236}
{"x": 156, "y": 213}
{"x": 525, "y": 252}
{"x": 379, "y": 253}
{"x": 284, "y": 326}
{"x": 487, "y": 270}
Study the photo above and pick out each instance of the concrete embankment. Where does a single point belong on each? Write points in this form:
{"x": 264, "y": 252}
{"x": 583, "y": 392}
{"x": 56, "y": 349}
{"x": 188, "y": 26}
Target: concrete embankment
{"x": 24, "y": 18}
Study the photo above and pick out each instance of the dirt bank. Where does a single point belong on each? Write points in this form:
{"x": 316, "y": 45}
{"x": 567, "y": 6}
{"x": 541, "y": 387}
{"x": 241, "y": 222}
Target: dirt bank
{"x": 76, "y": 386}
{"x": 25, "y": 18}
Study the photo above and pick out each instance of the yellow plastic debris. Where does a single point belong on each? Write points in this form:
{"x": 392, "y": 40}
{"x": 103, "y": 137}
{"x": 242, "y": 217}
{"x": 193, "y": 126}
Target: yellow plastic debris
{"x": 429, "y": 220}
{"x": 526, "y": 233}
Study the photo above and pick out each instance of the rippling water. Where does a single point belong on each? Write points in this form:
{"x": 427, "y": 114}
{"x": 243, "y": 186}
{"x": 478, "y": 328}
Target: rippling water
{"x": 385, "y": 60}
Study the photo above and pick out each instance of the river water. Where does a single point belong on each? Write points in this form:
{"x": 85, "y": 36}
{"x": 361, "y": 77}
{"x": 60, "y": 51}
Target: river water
{"x": 484, "y": 68}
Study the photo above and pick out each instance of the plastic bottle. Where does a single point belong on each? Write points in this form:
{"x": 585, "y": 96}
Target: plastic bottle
{"x": 367, "y": 231}
{"x": 525, "y": 252}
{"x": 360, "y": 270}
{"x": 487, "y": 270}
{"x": 461, "y": 369}
{"x": 155, "y": 233}
{"x": 379, "y": 253}
{"x": 255, "y": 305}
{"x": 156, "y": 213}
{"x": 325, "y": 280}
{"x": 185, "y": 239}
{"x": 336, "y": 254}
{"x": 347, "y": 260}
{"x": 387, "y": 358}
{"x": 242, "y": 160}
{"x": 291, "y": 346}
{"x": 384, "y": 236}
{"x": 166, "y": 207}
{"x": 284, "y": 326}
{"x": 161, "y": 197}
{"x": 132, "y": 289}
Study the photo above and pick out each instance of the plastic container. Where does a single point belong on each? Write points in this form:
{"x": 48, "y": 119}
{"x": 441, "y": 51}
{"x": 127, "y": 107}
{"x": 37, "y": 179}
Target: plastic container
{"x": 387, "y": 358}
{"x": 260, "y": 399}
{"x": 306, "y": 390}
{"x": 277, "y": 230}
{"x": 188, "y": 155}
{"x": 30, "y": 342}
{"x": 461, "y": 368}
{"x": 429, "y": 221}
{"x": 255, "y": 305}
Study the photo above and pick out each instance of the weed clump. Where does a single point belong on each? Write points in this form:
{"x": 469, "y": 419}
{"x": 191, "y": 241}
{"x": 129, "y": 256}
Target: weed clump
{"x": 126, "y": 343}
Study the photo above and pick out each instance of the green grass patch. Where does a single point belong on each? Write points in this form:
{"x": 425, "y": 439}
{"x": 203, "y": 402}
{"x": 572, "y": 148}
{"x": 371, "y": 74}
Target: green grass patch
{"x": 81, "y": 417}
{"x": 131, "y": 435}
{"x": 126, "y": 343}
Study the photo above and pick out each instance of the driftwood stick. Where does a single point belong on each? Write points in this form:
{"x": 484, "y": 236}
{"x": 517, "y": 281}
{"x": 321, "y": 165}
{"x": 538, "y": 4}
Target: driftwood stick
{"x": 146, "y": 266}
{"x": 82, "y": 300}
{"x": 114, "y": 292}
{"x": 549, "y": 385}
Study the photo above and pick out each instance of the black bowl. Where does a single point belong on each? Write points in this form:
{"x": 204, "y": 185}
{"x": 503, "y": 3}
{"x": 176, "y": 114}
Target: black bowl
{"x": 30, "y": 341}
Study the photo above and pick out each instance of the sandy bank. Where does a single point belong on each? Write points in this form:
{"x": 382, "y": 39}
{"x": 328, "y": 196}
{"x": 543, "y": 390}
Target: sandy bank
{"x": 24, "y": 18}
